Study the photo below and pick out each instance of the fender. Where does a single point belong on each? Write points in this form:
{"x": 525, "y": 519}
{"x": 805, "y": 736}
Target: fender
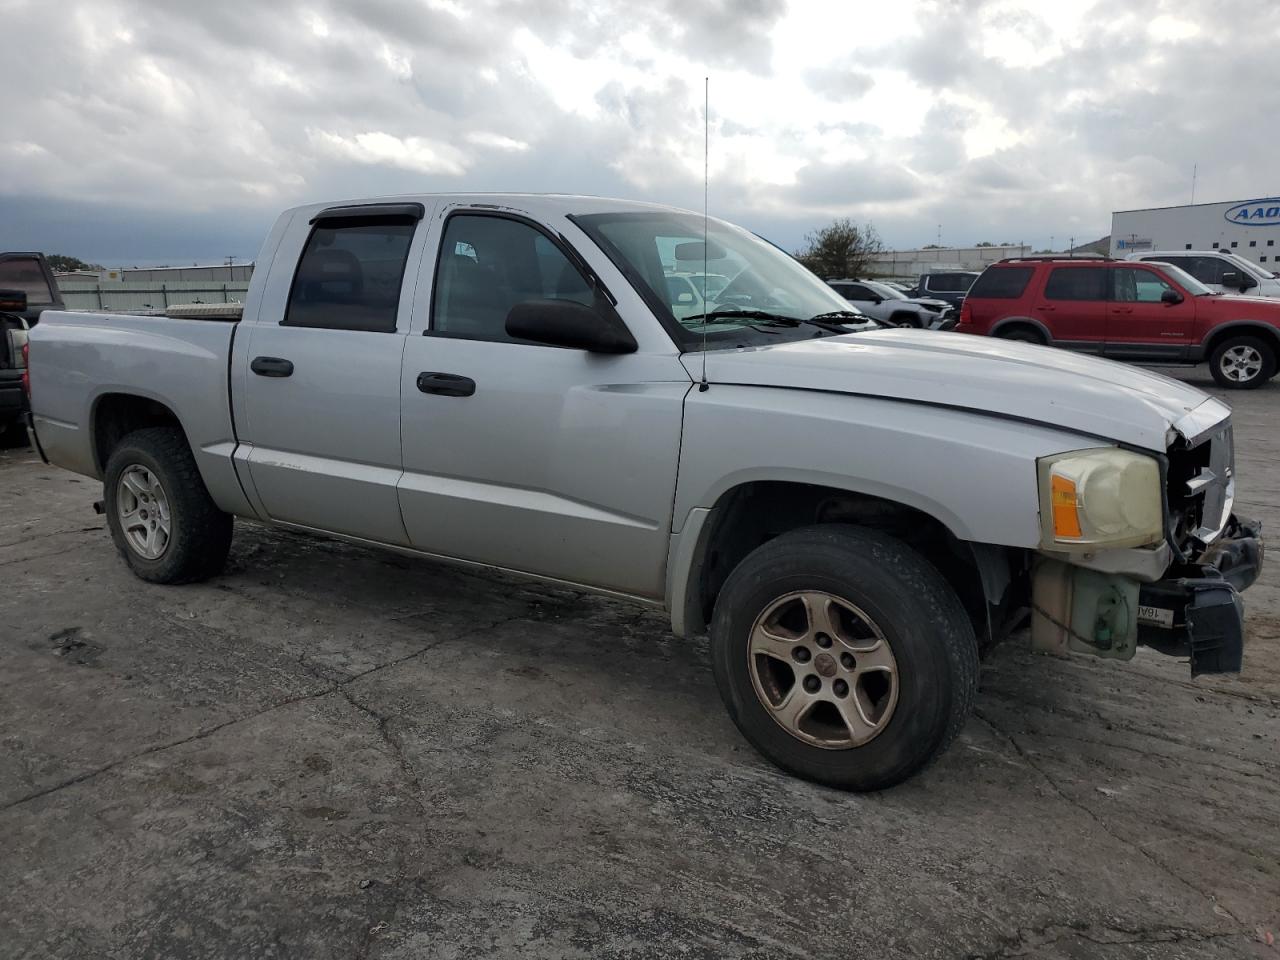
{"x": 1200, "y": 352}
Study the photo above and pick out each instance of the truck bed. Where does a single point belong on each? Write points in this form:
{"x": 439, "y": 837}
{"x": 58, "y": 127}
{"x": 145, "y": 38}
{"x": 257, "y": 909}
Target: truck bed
{"x": 79, "y": 360}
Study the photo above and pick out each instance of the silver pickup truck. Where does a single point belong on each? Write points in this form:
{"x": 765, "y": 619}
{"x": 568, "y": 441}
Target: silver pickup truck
{"x": 854, "y": 514}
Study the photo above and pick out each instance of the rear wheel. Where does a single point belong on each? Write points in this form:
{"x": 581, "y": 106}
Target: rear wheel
{"x": 905, "y": 320}
{"x": 162, "y": 519}
{"x": 843, "y": 656}
{"x": 1022, "y": 335}
{"x": 1242, "y": 363}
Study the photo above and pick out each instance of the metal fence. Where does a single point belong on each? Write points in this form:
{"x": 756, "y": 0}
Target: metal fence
{"x": 150, "y": 296}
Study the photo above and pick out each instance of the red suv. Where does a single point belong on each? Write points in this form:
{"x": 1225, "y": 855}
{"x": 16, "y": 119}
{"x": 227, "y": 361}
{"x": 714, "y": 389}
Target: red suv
{"x": 1147, "y": 312}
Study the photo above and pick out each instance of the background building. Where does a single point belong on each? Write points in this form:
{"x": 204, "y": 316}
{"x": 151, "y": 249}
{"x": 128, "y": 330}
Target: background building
{"x": 152, "y": 289}
{"x": 221, "y": 274}
{"x": 909, "y": 264}
{"x": 1250, "y": 228}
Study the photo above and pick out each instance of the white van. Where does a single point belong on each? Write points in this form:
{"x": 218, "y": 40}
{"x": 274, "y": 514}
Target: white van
{"x": 1219, "y": 270}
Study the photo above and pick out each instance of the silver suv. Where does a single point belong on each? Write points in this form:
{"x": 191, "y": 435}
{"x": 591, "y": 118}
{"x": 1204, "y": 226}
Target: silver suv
{"x": 883, "y": 302}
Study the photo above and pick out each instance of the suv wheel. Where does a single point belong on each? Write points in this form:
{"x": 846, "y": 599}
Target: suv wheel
{"x": 843, "y": 656}
{"x": 162, "y": 519}
{"x": 905, "y": 320}
{"x": 1022, "y": 335}
{"x": 1242, "y": 363}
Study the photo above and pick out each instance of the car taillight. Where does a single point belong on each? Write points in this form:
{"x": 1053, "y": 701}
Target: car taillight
{"x": 26, "y": 369}
{"x": 966, "y": 312}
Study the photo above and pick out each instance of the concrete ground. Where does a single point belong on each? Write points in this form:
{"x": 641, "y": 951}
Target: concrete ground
{"x": 334, "y": 752}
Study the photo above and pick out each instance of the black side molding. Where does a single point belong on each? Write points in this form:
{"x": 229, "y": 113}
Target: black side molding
{"x": 411, "y": 211}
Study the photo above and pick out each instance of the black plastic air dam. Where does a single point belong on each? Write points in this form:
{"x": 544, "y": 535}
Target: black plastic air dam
{"x": 1215, "y": 627}
{"x": 1198, "y": 612}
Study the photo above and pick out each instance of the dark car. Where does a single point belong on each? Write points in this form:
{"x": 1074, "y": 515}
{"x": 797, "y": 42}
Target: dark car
{"x": 30, "y": 274}
{"x": 27, "y": 289}
{"x": 950, "y": 286}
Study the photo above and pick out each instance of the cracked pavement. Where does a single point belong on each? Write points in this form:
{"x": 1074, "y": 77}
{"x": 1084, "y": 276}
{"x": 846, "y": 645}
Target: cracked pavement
{"x": 335, "y": 752}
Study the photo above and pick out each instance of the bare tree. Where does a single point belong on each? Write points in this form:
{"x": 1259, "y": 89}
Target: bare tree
{"x": 842, "y": 249}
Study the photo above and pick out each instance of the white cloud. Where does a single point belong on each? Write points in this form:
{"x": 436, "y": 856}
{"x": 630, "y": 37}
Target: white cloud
{"x": 496, "y": 141}
{"x": 377, "y": 148}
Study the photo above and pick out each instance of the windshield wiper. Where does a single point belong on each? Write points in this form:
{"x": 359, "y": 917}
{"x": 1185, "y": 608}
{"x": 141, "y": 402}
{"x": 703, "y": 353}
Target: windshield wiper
{"x": 823, "y": 321}
{"x": 850, "y": 314}
{"x": 732, "y": 316}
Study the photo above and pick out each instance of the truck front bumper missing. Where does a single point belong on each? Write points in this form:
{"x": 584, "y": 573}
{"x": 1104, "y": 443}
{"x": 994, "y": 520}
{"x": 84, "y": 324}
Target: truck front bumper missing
{"x": 1197, "y": 612}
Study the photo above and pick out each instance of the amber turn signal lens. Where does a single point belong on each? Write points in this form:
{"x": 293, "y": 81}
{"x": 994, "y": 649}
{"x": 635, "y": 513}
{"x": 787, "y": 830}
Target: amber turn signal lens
{"x": 1066, "y": 515}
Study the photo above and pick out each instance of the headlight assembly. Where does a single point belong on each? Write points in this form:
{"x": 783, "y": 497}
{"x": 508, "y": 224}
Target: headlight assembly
{"x": 1101, "y": 498}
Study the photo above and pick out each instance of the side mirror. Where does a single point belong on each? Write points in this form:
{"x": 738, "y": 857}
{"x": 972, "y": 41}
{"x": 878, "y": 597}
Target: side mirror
{"x": 876, "y": 298}
{"x": 1247, "y": 282}
{"x": 566, "y": 323}
{"x": 1171, "y": 296}
{"x": 1230, "y": 278}
{"x": 13, "y": 301}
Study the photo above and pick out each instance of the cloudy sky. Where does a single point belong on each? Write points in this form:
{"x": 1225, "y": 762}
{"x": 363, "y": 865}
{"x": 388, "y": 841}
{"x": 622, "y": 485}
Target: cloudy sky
{"x": 175, "y": 130}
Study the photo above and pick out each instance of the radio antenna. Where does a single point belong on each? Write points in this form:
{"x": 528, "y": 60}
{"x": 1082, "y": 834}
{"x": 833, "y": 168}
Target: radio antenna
{"x": 706, "y": 179}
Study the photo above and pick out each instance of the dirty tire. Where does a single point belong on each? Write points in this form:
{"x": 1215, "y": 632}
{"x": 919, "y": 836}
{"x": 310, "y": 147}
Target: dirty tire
{"x": 200, "y": 533}
{"x": 930, "y": 635}
{"x": 1022, "y": 335}
{"x": 1258, "y": 368}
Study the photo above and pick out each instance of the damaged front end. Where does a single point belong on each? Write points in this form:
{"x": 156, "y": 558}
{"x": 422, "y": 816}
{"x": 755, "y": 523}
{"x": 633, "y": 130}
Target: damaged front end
{"x": 1180, "y": 597}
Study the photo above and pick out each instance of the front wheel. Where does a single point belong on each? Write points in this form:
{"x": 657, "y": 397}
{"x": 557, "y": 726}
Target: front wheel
{"x": 843, "y": 656}
{"x": 1242, "y": 363}
{"x": 162, "y": 519}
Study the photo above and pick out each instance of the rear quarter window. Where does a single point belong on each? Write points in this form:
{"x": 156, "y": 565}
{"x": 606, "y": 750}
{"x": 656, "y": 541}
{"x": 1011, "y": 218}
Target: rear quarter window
{"x": 1001, "y": 283}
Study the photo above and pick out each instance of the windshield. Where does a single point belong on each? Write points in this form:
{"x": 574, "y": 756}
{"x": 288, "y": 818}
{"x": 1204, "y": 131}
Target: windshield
{"x": 1185, "y": 280}
{"x": 744, "y": 273}
{"x": 886, "y": 291}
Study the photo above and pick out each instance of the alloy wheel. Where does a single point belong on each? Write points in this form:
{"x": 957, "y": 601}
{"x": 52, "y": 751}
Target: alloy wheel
{"x": 823, "y": 670}
{"x": 1241, "y": 363}
{"x": 143, "y": 511}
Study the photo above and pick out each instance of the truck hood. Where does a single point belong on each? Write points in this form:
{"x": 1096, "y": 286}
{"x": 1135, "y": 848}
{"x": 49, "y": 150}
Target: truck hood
{"x": 988, "y": 376}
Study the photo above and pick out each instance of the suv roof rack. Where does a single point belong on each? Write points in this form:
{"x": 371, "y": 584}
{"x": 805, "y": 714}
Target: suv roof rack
{"x": 1055, "y": 256}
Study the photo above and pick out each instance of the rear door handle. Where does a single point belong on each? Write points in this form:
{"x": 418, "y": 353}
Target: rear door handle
{"x": 446, "y": 384}
{"x": 271, "y": 367}
{"x": 1046, "y": 307}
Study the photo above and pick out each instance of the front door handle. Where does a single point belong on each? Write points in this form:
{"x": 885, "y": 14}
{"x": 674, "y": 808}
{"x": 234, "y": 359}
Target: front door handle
{"x": 271, "y": 367}
{"x": 446, "y": 384}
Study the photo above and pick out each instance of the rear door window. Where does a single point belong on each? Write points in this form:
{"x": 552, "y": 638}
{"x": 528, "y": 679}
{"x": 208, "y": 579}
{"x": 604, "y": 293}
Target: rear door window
{"x": 350, "y": 274}
{"x": 1001, "y": 283}
{"x": 1076, "y": 283}
{"x": 25, "y": 274}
